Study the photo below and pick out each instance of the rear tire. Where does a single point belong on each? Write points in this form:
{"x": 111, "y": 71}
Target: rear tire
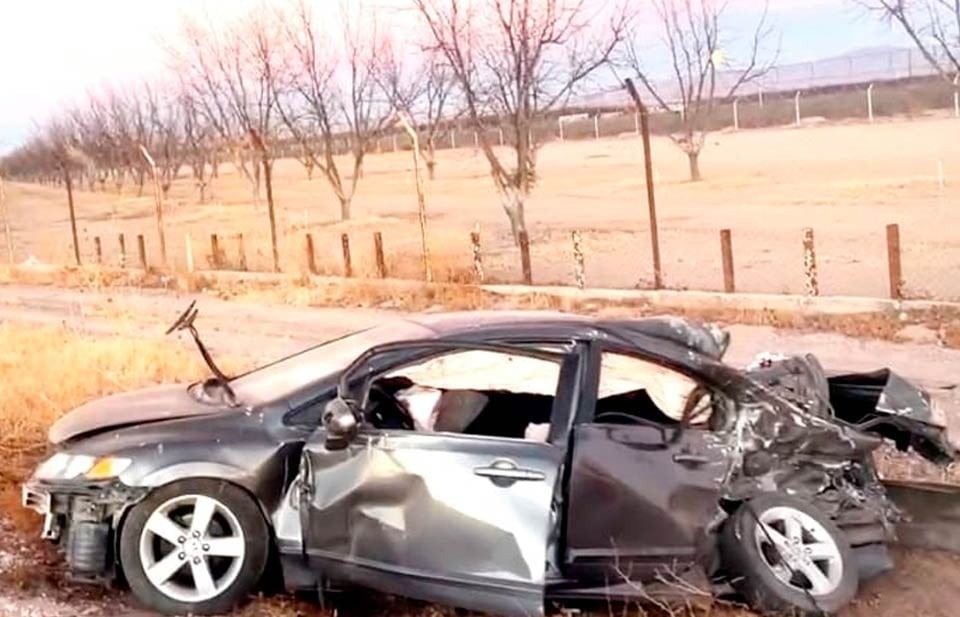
{"x": 194, "y": 547}
{"x": 797, "y": 562}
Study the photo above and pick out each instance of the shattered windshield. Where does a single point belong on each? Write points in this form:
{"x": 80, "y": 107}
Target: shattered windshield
{"x": 288, "y": 375}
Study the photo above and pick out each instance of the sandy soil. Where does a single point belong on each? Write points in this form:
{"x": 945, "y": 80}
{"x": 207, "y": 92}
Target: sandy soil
{"x": 846, "y": 181}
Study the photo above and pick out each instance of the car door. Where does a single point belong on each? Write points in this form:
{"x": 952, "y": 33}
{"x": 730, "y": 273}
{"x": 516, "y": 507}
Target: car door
{"x": 460, "y": 519}
{"x": 642, "y": 487}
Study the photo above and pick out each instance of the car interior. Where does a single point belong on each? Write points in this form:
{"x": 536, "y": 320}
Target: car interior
{"x": 498, "y": 394}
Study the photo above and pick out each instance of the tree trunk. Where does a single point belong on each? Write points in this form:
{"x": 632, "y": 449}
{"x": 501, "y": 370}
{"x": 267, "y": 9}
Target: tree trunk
{"x": 345, "y": 203}
{"x": 73, "y": 216}
{"x": 431, "y": 169}
{"x": 268, "y": 180}
{"x": 513, "y": 201}
{"x": 694, "y": 158}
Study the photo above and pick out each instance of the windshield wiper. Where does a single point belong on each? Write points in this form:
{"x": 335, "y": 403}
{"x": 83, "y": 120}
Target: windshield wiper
{"x": 185, "y": 322}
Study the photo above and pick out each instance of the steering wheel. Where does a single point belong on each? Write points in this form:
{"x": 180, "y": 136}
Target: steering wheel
{"x": 385, "y": 411}
{"x": 184, "y": 320}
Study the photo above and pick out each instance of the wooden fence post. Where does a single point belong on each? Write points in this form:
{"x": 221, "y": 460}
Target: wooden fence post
{"x": 142, "y": 251}
{"x": 810, "y": 264}
{"x": 726, "y": 251}
{"x": 99, "y": 250}
{"x": 189, "y": 247}
{"x": 525, "y": 257}
{"x": 477, "y": 253}
{"x": 579, "y": 271}
{"x": 215, "y": 251}
{"x": 347, "y": 262}
{"x": 378, "y": 255}
{"x": 311, "y": 255}
{"x": 123, "y": 251}
{"x": 894, "y": 263}
{"x": 242, "y": 252}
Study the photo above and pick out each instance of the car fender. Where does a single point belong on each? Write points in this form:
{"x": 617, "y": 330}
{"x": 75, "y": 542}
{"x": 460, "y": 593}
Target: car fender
{"x": 191, "y": 469}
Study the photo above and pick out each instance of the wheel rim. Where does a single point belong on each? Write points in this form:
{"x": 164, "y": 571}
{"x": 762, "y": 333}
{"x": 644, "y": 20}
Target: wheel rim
{"x": 799, "y": 551}
{"x": 192, "y": 548}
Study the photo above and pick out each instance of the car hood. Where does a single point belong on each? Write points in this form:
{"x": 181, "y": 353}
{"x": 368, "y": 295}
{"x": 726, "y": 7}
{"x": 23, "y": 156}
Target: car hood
{"x": 149, "y": 405}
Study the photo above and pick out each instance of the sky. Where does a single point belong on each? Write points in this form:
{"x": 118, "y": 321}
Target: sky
{"x": 53, "y": 51}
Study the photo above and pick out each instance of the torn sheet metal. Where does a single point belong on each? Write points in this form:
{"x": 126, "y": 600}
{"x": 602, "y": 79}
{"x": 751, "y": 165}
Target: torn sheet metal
{"x": 797, "y": 431}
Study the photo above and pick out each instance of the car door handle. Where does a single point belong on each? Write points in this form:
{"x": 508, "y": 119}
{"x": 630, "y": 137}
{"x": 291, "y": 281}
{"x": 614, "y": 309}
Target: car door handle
{"x": 507, "y": 470}
{"x": 688, "y": 458}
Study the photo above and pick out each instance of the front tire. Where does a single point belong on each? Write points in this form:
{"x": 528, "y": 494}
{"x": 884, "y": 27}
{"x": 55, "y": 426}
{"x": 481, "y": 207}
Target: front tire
{"x": 194, "y": 547}
{"x": 787, "y": 557}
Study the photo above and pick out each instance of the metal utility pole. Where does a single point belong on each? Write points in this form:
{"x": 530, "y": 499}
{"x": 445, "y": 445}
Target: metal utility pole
{"x": 651, "y": 193}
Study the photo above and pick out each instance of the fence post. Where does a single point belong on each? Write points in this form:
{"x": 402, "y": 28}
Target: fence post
{"x": 796, "y": 101}
{"x": 894, "y": 263}
{"x": 736, "y": 114}
{"x": 579, "y": 271}
{"x": 525, "y": 257}
{"x": 242, "y": 252}
{"x": 477, "y": 253}
{"x": 347, "y": 262}
{"x": 99, "y": 249}
{"x": 142, "y": 251}
{"x": 311, "y": 255}
{"x": 870, "y": 102}
{"x": 215, "y": 251}
{"x": 123, "y": 251}
{"x": 189, "y": 249}
{"x": 810, "y": 264}
{"x": 726, "y": 252}
{"x": 378, "y": 255}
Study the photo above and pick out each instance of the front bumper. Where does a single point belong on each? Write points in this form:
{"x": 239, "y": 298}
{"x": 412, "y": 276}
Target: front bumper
{"x": 82, "y": 519}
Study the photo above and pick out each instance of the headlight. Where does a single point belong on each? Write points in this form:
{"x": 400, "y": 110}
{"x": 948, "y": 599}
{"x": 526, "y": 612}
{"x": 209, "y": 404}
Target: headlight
{"x": 63, "y": 466}
{"x": 107, "y": 467}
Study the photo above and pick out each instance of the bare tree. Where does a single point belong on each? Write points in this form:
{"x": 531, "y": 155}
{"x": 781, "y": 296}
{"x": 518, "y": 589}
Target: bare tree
{"x": 514, "y": 61}
{"x": 211, "y": 67}
{"x": 932, "y": 25}
{"x": 58, "y": 143}
{"x": 423, "y": 89}
{"x": 693, "y": 33}
{"x": 232, "y": 75}
{"x": 5, "y": 218}
{"x": 166, "y": 136}
{"x": 331, "y": 95}
{"x": 198, "y": 143}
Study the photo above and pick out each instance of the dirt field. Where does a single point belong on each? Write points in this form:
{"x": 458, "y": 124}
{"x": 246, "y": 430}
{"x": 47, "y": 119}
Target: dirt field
{"x": 845, "y": 181}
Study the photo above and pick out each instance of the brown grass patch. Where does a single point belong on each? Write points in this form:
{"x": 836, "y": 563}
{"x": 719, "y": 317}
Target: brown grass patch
{"x": 49, "y": 371}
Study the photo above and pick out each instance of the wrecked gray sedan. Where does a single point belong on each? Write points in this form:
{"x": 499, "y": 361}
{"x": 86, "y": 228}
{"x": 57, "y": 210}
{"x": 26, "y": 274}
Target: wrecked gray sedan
{"x": 501, "y": 462}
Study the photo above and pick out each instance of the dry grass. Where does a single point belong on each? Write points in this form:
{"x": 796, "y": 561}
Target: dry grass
{"x": 48, "y": 371}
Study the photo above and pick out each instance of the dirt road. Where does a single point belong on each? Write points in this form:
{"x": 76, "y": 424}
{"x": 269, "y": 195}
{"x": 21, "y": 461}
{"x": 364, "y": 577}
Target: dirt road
{"x": 263, "y": 333}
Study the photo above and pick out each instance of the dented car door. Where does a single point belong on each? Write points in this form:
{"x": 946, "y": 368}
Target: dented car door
{"x": 462, "y": 519}
{"x": 657, "y": 476}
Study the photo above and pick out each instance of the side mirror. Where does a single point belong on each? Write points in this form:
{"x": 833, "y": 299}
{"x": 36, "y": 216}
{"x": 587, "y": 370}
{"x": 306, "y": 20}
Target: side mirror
{"x": 340, "y": 422}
